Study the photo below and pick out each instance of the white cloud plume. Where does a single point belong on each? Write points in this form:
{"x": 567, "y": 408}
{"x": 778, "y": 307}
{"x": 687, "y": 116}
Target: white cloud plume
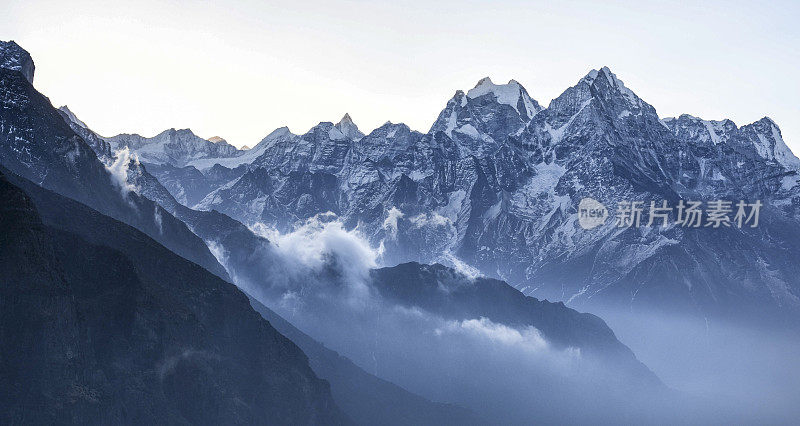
{"x": 464, "y": 268}
{"x": 118, "y": 170}
{"x": 390, "y": 223}
{"x": 322, "y": 244}
{"x": 157, "y": 217}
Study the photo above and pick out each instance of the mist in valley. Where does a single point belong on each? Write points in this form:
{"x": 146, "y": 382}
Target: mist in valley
{"x": 739, "y": 372}
{"x": 318, "y": 277}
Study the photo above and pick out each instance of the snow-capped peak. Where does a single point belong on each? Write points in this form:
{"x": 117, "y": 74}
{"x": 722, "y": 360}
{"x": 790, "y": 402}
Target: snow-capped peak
{"x": 173, "y": 132}
{"x": 273, "y": 136}
{"x": 510, "y": 94}
{"x": 613, "y": 82}
{"x": 769, "y": 143}
{"x": 177, "y": 147}
{"x": 65, "y": 109}
{"x": 605, "y": 72}
{"x": 348, "y": 128}
{"x": 345, "y": 120}
{"x": 505, "y": 93}
{"x": 710, "y": 131}
{"x": 14, "y": 57}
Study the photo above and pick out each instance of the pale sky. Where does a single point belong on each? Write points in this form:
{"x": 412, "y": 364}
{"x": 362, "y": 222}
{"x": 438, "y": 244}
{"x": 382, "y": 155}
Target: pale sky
{"x": 242, "y": 69}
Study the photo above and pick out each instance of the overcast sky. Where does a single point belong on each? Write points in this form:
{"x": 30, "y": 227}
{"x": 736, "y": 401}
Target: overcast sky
{"x": 241, "y": 69}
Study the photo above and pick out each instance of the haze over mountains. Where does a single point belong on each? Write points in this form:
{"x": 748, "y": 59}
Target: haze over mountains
{"x": 303, "y": 223}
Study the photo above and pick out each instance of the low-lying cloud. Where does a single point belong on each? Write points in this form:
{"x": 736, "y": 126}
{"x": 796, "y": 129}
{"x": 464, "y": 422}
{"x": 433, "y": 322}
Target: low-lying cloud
{"x": 528, "y": 338}
{"x": 322, "y": 248}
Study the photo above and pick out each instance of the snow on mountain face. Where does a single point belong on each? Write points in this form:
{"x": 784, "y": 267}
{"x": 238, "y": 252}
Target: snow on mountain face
{"x": 701, "y": 131}
{"x": 763, "y": 136}
{"x": 480, "y": 120}
{"x": 769, "y": 143}
{"x": 15, "y": 58}
{"x": 176, "y": 147}
{"x": 614, "y": 82}
{"x": 348, "y": 128}
{"x": 97, "y": 143}
{"x": 246, "y": 156}
{"x": 496, "y": 189}
{"x": 511, "y": 94}
{"x": 65, "y": 109}
{"x": 385, "y": 142}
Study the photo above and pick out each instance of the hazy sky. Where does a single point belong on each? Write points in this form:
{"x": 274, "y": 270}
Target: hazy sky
{"x": 241, "y": 69}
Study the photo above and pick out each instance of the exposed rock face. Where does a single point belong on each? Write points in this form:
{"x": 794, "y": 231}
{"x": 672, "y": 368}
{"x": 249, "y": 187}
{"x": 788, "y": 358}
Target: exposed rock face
{"x": 15, "y": 58}
{"x": 189, "y": 185}
{"x": 497, "y": 180}
{"x": 348, "y": 128}
{"x": 102, "y": 325}
{"x": 97, "y": 143}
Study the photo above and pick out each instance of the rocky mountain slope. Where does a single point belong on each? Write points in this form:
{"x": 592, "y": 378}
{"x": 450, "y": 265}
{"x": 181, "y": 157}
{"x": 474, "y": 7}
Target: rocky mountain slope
{"x": 496, "y": 182}
{"x": 37, "y": 143}
{"x": 102, "y": 325}
{"x": 15, "y": 58}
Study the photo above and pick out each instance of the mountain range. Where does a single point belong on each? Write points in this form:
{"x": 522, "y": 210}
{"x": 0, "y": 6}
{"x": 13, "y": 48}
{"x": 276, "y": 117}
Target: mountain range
{"x": 493, "y": 189}
{"x": 97, "y": 206}
{"x": 495, "y": 184}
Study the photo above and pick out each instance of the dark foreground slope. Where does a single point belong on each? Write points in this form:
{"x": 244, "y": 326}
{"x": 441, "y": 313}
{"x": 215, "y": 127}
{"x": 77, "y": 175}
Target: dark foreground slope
{"x": 132, "y": 333}
{"x": 367, "y": 399}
